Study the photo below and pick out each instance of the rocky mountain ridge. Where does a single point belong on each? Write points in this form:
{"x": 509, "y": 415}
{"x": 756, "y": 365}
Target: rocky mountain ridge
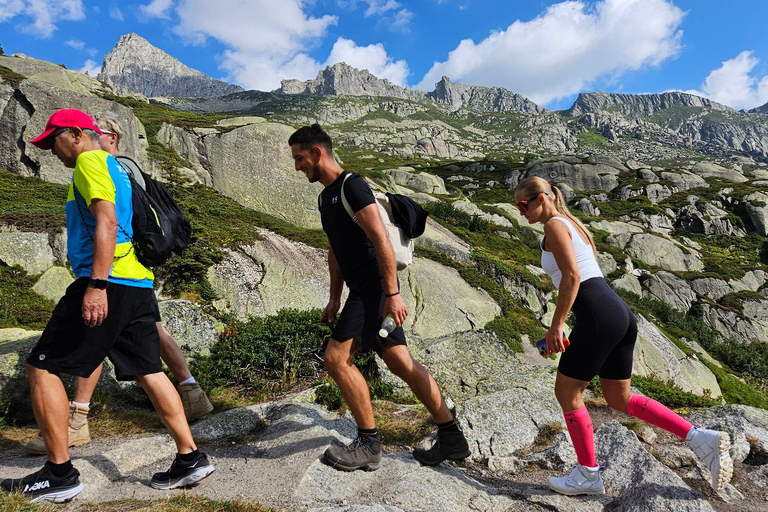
{"x": 136, "y": 66}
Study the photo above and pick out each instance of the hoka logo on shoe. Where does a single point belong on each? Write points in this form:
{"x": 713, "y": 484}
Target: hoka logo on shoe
{"x": 37, "y": 486}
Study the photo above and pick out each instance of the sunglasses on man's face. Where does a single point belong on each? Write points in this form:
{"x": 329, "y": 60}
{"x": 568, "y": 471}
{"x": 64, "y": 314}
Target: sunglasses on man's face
{"x": 523, "y": 205}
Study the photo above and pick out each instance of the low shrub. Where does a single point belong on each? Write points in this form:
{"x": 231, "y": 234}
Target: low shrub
{"x": 20, "y": 306}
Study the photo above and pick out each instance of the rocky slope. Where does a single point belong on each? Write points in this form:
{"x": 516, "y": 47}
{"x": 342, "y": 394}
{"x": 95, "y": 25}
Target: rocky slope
{"x": 136, "y": 66}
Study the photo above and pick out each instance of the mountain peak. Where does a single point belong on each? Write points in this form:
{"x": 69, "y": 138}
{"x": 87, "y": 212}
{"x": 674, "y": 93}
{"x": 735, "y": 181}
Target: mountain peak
{"x": 136, "y": 66}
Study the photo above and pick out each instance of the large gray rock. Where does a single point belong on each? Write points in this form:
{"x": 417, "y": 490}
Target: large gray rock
{"x": 57, "y": 76}
{"x": 421, "y": 181}
{"x": 579, "y": 176}
{"x": 252, "y": 164}
{"x": 664, "y": 253}
{"x": 642, "y": 482}
{"x": 500, "y": 402}
{"x": 712, "y": 170}
{"x": 655, "y": 355}
{"x": 24, "y": 115}
{"x": 669, "y": 288}
{"x": 270, "y": 275}
{"x": 53, "y": 283}
{"x": 193, "y": 329}
{"x": 440, "y": 302}
{"x": 135, "y": 66}
{"x": 748, "y": 327}
{"x": 29, "y": 250}
{"x": 756, "y": 205}
{"x": 711, "y": 287}
{"x": 480, "y": 99}
{"x": 441, "y": 239}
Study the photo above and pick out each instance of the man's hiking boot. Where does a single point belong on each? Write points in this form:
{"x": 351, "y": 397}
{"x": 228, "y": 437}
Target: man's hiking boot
{"x": 196, "y": 404}
{"x": 362, "y": 453}
{"x": 43, "y": 485}
{"x": 449, "y": 445}
{"x": 581, "y": 480}
{"x": 78, "y": 431}
{"x": 183, "y": 473}
{"x": 713, "y": 448}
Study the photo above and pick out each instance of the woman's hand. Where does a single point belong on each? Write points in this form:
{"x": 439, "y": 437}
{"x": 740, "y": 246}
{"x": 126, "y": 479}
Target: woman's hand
{"x": 554, "y": 339}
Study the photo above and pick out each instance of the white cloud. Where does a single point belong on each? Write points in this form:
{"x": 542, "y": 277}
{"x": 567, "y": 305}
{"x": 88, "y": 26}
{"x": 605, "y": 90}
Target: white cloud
{"x": 379, "y": 7}
{"x": 566, "y": 48}
{"x": 373, "y": 57}
{"x": 44, "y": 13}
{"x": 267, "y": 40}
{"x": 402, "y": 21}
{"x": 731, "y": 84}
{"x": 116, "y": 14}
{"x": 77, "y": 45}
{"x": 157, "y": 8}
{"x": 91, "y": 67}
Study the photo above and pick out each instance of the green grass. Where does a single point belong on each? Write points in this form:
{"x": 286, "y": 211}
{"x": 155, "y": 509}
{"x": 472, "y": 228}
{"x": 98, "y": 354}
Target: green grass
{"x": 19, "y": 305}
{"x": 591, "y": 138}
{"x": 32, "y": 204}
{"x": 10, "y": 76}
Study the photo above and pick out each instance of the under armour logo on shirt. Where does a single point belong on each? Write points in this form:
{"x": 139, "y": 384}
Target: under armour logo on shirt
{"x": 334, "y": 199}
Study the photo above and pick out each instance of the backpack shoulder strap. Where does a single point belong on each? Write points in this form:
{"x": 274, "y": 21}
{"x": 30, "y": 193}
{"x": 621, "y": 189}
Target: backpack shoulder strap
{"x": 133, "y": 169}
{"x": 344, "y": 200}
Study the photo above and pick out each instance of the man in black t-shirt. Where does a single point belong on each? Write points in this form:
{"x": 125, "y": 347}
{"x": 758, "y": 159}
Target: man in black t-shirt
{"x": 361, "y": 256}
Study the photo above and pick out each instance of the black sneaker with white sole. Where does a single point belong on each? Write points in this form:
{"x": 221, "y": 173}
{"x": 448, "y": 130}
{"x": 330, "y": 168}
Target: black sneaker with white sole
{"x": 45, "y": 486}
{"x": 183, "y": 473}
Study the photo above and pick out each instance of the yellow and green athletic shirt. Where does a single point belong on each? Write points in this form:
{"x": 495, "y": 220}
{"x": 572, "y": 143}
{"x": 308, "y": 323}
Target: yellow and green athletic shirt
{"x": 97, "y": 175}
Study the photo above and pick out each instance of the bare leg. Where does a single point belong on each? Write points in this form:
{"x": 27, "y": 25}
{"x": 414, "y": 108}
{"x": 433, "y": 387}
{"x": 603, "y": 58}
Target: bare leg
{"x": 569, "y": 392}
{"x": 172, "y": 355}
{"x": 401, "y": 363}
{"x": 616, "y": 393}
{"x": 167, "y": 403}
{"x": 354, "y": 389}
{"x": 51, "y": 408}
{"x": 85, "y": 387}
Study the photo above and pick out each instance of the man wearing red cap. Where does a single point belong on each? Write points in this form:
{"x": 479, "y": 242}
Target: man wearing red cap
{"x": 107, "y": 312}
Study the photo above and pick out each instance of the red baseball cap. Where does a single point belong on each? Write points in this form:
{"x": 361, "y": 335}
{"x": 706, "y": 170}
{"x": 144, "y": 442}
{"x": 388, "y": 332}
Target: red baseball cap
{"x": 64, "y": 118}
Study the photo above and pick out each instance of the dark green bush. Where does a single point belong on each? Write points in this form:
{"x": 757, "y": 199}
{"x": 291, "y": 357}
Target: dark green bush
{"x": 19, "y": 305}
{"x": 255, "y": 354}
{"x": 669, "y": 394}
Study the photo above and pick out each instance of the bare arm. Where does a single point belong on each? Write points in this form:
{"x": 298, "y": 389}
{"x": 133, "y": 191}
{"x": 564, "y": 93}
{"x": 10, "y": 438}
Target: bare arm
{"x": 560, "y": 244}
{"x": 337, "y": 286}
{"x": 104, "y": 241}
{"x": 369, "y": 219}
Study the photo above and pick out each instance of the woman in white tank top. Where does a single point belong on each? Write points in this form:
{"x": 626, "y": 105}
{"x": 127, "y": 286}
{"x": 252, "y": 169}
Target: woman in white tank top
{"x": 602, "y": 343}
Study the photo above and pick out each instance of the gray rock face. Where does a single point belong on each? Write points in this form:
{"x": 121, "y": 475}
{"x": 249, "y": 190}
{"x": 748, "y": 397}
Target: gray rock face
{"x": 24, "y": 110}
{"x": 655, "y": 355}
{"x": 708, "y": 219}
{"x": 643, "y": 483}
{"x": 135, "y": 66}
{"x": 756, "y": 205}
{"x": 580, "y": 176}
{"x": 55, "y": 75}
{"x": 481, "y": 99}
{"x": 747, "y": 328}
{"x": 342, "y": 79}
{"x": 639, "y": 104}
{"x": 442, "y": 240}
{"x": 500, "y": 402}
{"x": 53, "y": 283}
{"x": 421, "y": 181}
{"x": 29, "y": 250}
{"x": 193, "y": 329}
{"x": 663, "y": 253}
{"x": 669, "y": 288}
{"x": 252, "y": 164}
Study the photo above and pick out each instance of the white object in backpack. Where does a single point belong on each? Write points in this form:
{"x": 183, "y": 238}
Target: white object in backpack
{"x": 401, "y": 245}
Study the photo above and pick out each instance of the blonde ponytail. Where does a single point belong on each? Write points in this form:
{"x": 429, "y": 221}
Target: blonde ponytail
{"x": 534, "y": 185}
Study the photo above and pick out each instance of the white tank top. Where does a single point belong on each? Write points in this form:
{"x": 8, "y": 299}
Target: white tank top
{"x": 585, "y": 258}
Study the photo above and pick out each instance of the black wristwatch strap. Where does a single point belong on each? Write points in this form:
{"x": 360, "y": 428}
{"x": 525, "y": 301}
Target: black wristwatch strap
{"x": 100, "y": 284}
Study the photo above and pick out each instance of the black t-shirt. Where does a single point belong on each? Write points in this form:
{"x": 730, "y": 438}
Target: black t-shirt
{"x": 354, "y": 251}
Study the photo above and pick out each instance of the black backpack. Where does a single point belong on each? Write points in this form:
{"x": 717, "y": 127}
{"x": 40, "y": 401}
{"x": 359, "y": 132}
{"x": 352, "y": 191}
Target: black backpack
{"x": 159, "y": 226}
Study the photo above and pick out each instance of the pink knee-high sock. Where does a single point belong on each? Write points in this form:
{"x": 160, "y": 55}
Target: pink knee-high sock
{"x": 651, "y": 411}
{"x": 579, "y": 426}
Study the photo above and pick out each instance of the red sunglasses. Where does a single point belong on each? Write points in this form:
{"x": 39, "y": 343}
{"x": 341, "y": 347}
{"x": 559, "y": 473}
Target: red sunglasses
{"x": 523, "y": 205}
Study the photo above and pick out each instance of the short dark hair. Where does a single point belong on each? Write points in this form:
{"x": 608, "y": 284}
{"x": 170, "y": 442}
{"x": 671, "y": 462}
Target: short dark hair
{"x": 308, "y": 136}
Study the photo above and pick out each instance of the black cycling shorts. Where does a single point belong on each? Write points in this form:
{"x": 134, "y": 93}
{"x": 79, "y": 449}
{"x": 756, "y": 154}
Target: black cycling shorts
{"x": 603, "y": 337}
{"x": 128, "y": 336}
{"x": 362, "y": 316}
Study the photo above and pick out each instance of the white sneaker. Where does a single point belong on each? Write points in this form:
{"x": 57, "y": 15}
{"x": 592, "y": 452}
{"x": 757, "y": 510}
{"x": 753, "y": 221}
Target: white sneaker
{"x": 580, "y": 481}
{"x": 712, "y": 447}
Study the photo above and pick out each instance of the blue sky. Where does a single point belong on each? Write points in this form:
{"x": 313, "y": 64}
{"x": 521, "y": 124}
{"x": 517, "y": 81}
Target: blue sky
{"x": 548, "y": 51}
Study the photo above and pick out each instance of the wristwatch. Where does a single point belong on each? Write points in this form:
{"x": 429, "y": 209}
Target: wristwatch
{"x": 100, "y": 284}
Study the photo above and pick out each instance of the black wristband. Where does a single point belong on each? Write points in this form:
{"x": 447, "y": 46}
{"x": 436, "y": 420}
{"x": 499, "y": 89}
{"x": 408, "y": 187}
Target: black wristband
{"x": 99, "y": 284}
{"x": 392, "y": 294}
